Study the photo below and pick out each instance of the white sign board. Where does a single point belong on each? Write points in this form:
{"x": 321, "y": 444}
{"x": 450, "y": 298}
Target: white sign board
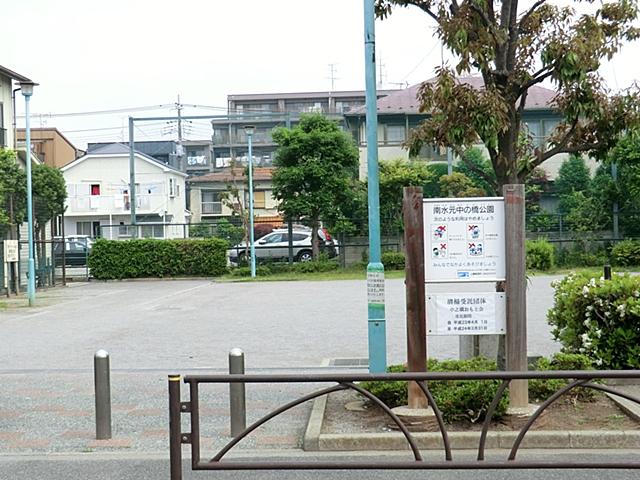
{"x": 10, "y": 251}
{"x": 464, "y": 239}
{"x": 375, "y": 288}
{"x": 466, "y": 314}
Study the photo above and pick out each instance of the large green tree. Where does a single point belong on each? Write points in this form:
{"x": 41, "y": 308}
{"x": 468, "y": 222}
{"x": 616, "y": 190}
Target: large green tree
{"x": 515, "y": 47}
{"x": 13, "y": 193}
{"x": 316, "y": 171}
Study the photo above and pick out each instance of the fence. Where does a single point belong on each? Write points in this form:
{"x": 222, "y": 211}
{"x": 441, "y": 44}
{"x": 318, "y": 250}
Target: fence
{"x": 340, "y": 382}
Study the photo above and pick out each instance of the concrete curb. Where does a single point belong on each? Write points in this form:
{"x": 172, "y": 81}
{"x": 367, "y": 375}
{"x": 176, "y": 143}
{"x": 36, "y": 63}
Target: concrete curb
{"x": 316, "y": 441}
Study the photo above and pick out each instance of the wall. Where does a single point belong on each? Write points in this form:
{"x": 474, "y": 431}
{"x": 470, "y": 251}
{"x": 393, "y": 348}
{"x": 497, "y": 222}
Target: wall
{"x": 7, "y": 109}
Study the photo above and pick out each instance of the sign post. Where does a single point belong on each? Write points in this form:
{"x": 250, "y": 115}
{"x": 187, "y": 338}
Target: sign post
{"x": 414, "y": 287}
{"x": 516, "y": 286}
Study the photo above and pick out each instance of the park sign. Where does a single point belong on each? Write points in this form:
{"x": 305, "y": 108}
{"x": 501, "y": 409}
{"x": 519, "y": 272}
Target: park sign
{"x": 11, "y": 251}
{"x": 464, "y": 239}
{"x": 468, "y": 313}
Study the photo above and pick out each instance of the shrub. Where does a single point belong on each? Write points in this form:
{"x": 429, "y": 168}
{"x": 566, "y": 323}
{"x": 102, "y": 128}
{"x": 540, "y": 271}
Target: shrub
{"x": 540, "y": 390}
{"x": 599, "y": 318}
{"x": 458, "y": 400}
{"x": 580, "y": 256}
{"x": 540, "y": 254}
{"x": 393, "y": 260}
{"x": 113, "y": 259}
{"x": 626, "y": 253}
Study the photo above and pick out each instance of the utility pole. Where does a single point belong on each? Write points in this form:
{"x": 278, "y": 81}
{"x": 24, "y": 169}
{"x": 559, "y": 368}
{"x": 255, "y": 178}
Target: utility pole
{"x": 332, "y": 74}
{"x": 180, "y": 147}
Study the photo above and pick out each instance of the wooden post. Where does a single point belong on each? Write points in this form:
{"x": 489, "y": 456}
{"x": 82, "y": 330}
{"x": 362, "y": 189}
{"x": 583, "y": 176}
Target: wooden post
{"x": 414, "y": 286}
{"x": 516, "y": 284}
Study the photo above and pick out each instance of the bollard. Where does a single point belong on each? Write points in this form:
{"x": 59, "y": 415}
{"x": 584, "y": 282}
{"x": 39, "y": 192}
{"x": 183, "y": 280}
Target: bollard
{"x": 607, "y": 272}
{"x": 102, "y": 383}
{"x": 237, "y": 405}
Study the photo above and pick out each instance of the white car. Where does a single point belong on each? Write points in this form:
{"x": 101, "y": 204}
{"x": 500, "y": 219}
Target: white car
{"x": 275, "y": 245}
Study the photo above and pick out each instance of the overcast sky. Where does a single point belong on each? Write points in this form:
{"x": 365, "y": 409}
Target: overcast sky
{"x": 92, "y": 56}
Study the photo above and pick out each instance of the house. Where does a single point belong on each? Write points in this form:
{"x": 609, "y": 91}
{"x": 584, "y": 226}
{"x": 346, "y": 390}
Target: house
{"x": 399, "y": 112}
{"x": 206, "y": 194}
{"x": 51, "y": 146}
{"x": 98, "y": 202}
{"x": 7, "y": 114}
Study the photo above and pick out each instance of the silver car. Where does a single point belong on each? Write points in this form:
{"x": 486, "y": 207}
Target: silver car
{"x": 275, "y": 245}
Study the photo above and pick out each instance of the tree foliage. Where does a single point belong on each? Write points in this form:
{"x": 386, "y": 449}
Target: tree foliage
{"x": 394, "y": 176}
{"x": 49, "y": 194}
{"x": 515, "y": 49}
{"x": 316, "y": 171}
{"x": 13, "y": 191}
{"x": 573, "y": 176}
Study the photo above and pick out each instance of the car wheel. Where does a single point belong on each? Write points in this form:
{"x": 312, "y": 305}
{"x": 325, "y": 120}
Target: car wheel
{"x": 304, "y": 256}
{"x": 242, "y": 260}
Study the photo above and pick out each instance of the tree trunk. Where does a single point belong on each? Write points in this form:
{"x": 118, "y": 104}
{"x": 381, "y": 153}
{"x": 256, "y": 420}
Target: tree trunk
{"x": 315, "y": 249}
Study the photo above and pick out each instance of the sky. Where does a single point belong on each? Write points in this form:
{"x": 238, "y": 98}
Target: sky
{"x": 91, "y": 56}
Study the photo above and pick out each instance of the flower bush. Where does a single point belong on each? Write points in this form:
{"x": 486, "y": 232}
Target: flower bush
{"x": 600, "y": 318}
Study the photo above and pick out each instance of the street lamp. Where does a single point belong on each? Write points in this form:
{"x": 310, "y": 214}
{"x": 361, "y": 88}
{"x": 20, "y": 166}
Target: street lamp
{"x": 27, "y": 90}
{"x": 249, "y": 129}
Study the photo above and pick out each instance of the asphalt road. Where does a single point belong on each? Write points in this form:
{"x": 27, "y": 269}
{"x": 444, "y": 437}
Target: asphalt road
{"x": 176, "y": 325}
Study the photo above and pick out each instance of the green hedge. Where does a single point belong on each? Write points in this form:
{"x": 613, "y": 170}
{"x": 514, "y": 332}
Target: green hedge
{"x": 458, "y": 400}
{"x": 599, "y": 318}
{"x": 626, "y": 253}
{"x": 540, "y": 254}
{"x": 112, "y": 259}
{"x": 393, "y": 260}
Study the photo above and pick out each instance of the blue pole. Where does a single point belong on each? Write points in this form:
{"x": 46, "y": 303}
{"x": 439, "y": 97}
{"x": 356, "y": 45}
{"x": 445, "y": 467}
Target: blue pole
{"x": 251, "y": 239}
{"x": 31, "y": 282}
{"x": 375, "y": 269}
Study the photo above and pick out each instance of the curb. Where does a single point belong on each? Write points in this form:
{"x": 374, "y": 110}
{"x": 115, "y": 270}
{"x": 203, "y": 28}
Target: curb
{"x": 316, "y": 441}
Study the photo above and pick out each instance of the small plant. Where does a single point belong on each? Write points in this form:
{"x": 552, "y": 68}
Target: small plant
{"x": 393, "y": 260}
{"x": 599, "y": 318}
{"x": 458, "y": 400}
{"x": 541, "y": 389}
{"x": 626, "y": 253}
{"x": 540, "y": 255}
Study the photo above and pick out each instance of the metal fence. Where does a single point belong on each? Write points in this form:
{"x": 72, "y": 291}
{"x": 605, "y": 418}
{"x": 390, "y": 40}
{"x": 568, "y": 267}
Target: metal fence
{"x": 339, "y": 382}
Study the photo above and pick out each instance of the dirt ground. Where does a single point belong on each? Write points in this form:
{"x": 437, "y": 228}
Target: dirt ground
{"x": 346, "y": 412}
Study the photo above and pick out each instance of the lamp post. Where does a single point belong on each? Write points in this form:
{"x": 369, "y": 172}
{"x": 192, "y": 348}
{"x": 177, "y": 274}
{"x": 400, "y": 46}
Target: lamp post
{"x": 27, "y": 90}
{"x": 249, "y": 129}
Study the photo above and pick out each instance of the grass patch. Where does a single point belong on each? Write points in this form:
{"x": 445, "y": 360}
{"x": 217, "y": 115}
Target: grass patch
{"x": 349, "y": 273}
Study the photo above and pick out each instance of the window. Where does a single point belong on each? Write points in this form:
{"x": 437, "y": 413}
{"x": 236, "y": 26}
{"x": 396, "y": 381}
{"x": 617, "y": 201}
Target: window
{"x": 259, "y": 200}
{"x": 211, "y": 202}
{"x": 84, "y": 228}
{"x": 172, "y": 187}
{"x": 95, "y": 189}
{"x": 395, "y": 134}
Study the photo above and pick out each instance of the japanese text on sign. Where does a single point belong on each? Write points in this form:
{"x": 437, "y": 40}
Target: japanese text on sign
{"x": 375, "y": 288}
{"x": 467, "y": 314}
{"x": 464, "y": 239}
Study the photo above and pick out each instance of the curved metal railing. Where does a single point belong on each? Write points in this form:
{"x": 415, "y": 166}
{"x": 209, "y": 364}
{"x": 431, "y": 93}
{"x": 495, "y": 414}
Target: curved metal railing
{"x": 582, "y": 379}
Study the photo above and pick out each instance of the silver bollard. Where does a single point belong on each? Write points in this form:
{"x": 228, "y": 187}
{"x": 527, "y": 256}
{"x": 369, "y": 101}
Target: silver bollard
{"x": 237, "y": 404}
{"x": 102, "y": 384}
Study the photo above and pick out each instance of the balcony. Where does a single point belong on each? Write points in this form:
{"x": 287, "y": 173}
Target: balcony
{"x": 110, "y": 204}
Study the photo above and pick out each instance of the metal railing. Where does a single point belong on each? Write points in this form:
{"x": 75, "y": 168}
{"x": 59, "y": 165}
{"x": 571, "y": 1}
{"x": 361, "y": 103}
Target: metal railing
{"x": 339, "y": 382}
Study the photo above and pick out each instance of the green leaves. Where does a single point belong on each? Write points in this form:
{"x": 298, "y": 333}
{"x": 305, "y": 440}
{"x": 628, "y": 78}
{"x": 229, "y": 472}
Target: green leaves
{"x": 114, "y": 259}
{"x": 316, "y": 169}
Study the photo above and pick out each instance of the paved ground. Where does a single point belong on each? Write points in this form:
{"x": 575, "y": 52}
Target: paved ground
{"x": 154, "y": 328}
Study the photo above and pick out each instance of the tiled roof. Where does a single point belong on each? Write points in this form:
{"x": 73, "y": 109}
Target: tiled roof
{"x": 229, "y": 174}
{"x": 406, "y": 101}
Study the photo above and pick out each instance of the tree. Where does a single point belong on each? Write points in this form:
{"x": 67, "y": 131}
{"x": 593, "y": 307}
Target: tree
{"x": 316, "y": 171}
{"x": 49, "y": 194}
{"x": 573, "y": 176}
{"x": 459, "y": 185}
{"x": 515, "y": 50}
{"x": 394, "y": 176}
{"x": 13, "y": 193}
{"x": 478, "y": 168}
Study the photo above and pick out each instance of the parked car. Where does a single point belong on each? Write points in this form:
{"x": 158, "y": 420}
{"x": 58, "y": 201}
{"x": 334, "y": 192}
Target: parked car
{"x": 76, "y": 252}
{"x": 275, "y": 245}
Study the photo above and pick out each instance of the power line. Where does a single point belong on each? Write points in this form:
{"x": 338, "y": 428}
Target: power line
{"x": 98, "y": 112}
